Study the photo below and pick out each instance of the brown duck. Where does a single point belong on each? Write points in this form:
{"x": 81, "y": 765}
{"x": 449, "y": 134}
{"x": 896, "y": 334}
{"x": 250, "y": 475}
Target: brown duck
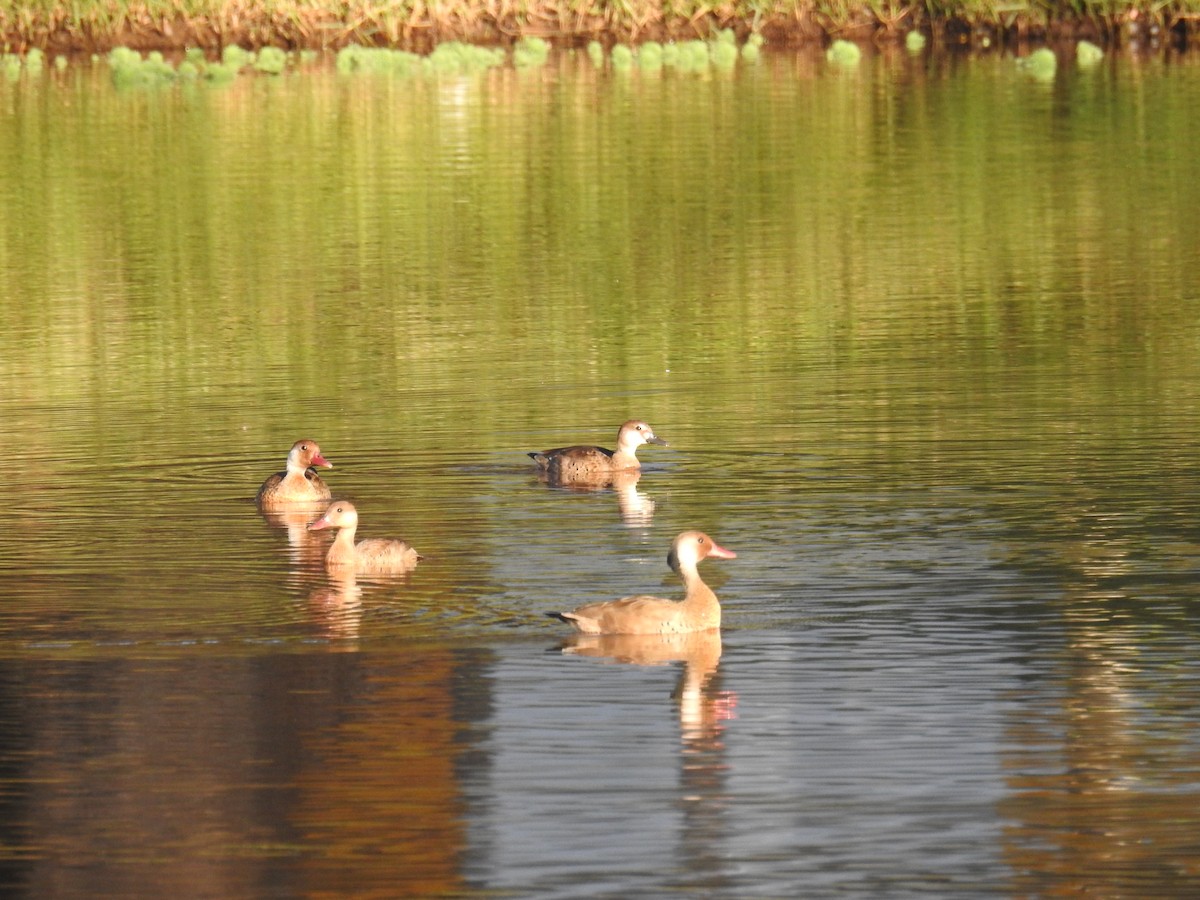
{"x": 698, "y": 611}
{"x": 372, "y": 555}
{"x": 299, "y": 483}
{"x": 585, "y": 463}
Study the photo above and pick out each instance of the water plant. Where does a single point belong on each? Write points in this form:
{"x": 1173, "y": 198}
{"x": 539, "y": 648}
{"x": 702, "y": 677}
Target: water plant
{"x": 355, "y": 58}
{"x": 457, "y": 58}
{"x": 1087, "y": 54}
{"x": 130, "y": 70}
{"x": 10, "y": 63}
{"x": 220, "y": 73}
{"x": 450, "y": 58}
{"x": 724, "y": 54}
{"x": 914, "y": 41}
{"x": 693, "y": 57}
{"x": 650, "y": 56}
{"x": 530, "y": 52}
{"x": 622, "y": 58}
{"x": 843, "y": 53}
{"x": 595, "y": 52}
{"x": 237, "y": 57}
{"x": 271, "y": 60}
{"x": 1040, "y": 65}
{"x": 752, "y": 49}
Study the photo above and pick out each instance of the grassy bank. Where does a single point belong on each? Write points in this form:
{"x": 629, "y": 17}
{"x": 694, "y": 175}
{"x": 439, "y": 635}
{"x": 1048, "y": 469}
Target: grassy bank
{"x": 99, "y": 25}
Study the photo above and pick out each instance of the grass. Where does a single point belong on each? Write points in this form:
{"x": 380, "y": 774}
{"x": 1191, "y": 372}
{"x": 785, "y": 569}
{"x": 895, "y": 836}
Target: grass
{"x": 100, "y": 25}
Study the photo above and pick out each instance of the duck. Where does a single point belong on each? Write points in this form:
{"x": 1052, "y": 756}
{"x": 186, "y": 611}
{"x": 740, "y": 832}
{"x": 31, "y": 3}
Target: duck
{"x": 641, "y": 614}
{"x": 372, "y": 555}
{"x": 586, "y": 463}
{"x": 299, "y": 483}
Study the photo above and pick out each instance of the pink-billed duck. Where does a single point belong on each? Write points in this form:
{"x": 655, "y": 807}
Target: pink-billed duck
{"x": 698, "y": 611}
{"x": 299, "y": 483}
{"x": 586, "y": 463}
{"x": 372, "y": 555}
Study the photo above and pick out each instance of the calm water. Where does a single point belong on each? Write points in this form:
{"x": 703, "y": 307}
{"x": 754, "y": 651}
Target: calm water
{"x": 923, "y": 338}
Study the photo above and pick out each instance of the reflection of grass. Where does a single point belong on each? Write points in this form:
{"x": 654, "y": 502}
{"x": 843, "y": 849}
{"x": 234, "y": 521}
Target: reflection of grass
{"x": 301, "y": 219}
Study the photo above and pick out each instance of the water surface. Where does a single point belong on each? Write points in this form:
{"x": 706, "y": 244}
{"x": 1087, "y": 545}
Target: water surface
{"x": 922, "y": 338}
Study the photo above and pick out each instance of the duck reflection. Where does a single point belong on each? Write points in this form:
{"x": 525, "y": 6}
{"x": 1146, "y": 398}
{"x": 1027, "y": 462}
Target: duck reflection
{"x": 704, "y": 710}
{"x": 306, "y": 550}
{"x": 635, "y": 507}
{"x": 336, "y": 606}
{"x": 637, "y": 510}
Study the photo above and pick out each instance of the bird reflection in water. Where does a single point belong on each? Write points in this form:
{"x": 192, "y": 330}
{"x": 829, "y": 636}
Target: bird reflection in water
{"x": 306, "y": 551}
{"x": 635, "y": 507}
{"x": 704, "y": 710}
{"x": 336, "y": 606}
{"x": 334, "y": 598}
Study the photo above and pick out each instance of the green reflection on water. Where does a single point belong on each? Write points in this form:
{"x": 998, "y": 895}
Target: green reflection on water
{"x": 922, "y": 338}
{"x": 940, "y": 267}
{"x": 603, "y": 228}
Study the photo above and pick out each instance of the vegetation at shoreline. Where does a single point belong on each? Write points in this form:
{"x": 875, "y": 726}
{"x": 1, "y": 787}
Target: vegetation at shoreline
{"x": 133, "y": 69}
{"x": 88, "y": 26}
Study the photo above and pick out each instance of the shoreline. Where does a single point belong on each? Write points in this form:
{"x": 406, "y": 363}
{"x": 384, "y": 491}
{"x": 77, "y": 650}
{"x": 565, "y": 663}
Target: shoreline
{"x": 212, "y": 25}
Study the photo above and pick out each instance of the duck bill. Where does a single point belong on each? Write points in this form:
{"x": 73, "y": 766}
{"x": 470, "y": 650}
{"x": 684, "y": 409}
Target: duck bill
{"x": 321, "y": 461}
{"x": 657, "y": 440}
{"x": 319, "y": 524}
{"x": 720, "y": 552}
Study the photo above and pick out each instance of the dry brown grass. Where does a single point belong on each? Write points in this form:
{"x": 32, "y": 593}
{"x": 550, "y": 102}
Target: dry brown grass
{"x": 87, "y": 26}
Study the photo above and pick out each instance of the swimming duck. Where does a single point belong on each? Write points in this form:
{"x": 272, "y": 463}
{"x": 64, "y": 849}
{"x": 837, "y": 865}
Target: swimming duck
{"x": 372, "y": 555}
{"x": 641, "y": 614}
{"x": 586, "y": 463}
{"x": 299, "y": 483}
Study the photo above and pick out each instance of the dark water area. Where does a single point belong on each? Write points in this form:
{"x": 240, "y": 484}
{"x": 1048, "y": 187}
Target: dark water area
{"x": 922, "y": 337}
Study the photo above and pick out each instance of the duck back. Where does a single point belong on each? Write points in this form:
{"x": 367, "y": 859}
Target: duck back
{"x": 574, "y": 462}
{"x": 282, "y": 488}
